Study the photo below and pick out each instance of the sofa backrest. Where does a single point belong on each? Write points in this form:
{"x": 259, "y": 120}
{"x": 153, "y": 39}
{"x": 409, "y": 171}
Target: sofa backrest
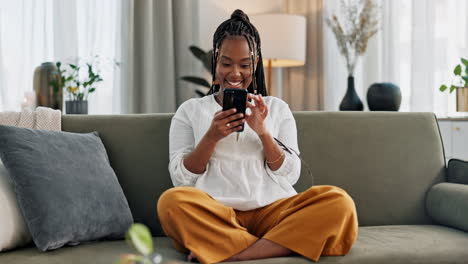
{"x": 385, "y": 161}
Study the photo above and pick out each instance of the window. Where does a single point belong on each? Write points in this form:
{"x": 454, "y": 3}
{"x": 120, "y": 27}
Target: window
{"x": 36, "y": 31}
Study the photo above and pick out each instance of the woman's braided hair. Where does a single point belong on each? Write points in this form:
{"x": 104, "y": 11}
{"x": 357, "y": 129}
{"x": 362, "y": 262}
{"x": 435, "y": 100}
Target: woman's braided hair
{"x": 239, "y": 25}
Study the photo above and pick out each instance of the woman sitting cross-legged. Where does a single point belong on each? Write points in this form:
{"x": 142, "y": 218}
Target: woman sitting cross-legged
{"x": 234, "y": 198}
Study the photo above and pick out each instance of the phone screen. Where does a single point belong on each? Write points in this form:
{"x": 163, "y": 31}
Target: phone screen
{"x": 235, "y": 98}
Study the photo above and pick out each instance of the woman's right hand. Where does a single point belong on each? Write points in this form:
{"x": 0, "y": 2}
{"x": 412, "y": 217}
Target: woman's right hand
{"x": 223, "y": 124}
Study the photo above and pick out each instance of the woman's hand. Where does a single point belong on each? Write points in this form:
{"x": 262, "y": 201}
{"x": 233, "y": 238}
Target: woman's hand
{"x": 256, "y": 119}
{"x": 223, "y": 124}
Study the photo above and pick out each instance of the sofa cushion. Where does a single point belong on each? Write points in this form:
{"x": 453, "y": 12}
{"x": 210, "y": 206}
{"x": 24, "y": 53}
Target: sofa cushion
{"x": 378, "y": 244}
{"x": 427, "y": 244}
{"x": 66, "y": 189}
{"x": 457, "y": 171}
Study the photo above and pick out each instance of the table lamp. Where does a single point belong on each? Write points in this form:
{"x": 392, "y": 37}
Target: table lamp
{"x": 283, "y": 41}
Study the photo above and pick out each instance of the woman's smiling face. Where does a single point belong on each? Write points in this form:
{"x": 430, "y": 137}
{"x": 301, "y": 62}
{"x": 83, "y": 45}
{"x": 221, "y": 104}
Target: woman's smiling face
{"x": 234, "y": 64}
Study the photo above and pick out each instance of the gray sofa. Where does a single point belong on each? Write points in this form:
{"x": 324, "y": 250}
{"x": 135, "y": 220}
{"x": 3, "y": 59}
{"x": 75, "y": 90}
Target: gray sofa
{"x": 388, "y": 163}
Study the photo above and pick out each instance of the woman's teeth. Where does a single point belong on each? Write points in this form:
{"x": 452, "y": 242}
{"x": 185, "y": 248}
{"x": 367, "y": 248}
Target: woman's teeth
{"x": 234, "y": 83}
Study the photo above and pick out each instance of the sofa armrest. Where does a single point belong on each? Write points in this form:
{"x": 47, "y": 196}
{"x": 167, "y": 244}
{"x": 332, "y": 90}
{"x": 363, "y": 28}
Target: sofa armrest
{"x": 447, "y": 204}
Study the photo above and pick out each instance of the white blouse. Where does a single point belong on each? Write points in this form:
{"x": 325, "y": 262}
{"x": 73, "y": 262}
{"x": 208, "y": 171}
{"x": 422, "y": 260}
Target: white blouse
{"x": 236, "y": 174}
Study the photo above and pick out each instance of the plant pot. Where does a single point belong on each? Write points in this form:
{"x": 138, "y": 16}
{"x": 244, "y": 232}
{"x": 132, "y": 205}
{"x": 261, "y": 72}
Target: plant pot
{"x": 462, "y": 99}
{"x": 384, "y": 97}
{"x": 351, "y": 101}
{"x": 76, "y": 107}
{"x": 46, "y": 95}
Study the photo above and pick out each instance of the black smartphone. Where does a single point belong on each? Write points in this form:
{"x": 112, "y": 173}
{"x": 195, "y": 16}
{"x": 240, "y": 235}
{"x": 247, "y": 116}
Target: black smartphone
{"x": 235, "y": 98}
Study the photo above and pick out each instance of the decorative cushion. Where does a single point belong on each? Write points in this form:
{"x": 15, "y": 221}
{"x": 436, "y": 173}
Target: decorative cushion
{"x": 457, "y": 171}
{"x": 13, "y": 230}
{"x": 446, "y": 204}
{"x": 66, "y": 189}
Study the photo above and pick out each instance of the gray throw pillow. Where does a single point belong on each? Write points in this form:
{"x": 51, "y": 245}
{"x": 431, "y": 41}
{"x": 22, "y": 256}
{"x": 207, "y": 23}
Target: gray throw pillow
{"x": 66, "y": 189}
{"x": 457, "y": 171}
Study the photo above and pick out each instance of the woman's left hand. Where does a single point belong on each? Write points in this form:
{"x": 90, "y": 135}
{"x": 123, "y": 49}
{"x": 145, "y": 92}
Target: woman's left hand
{"x": 259, "y": 112}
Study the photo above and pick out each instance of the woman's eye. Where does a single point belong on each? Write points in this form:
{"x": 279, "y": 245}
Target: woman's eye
{"x": 226, "y": 64}
{"x": 245, "y": 66}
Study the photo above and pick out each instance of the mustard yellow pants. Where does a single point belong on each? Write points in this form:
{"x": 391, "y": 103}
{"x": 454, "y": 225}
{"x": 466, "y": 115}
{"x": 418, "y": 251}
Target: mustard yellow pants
{"x": 320, "y": 221}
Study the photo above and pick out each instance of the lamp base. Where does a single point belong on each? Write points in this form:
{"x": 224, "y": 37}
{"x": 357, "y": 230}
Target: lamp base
{"x": 270, "y": 65}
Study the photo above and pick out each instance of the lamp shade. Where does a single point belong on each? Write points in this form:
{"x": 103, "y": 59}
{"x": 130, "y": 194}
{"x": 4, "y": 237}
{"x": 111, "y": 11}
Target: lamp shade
{"x": 283, "y": 38}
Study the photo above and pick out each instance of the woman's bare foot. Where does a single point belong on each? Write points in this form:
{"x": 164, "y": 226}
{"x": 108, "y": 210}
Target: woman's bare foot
{"x": 263, "y": 248}
{"x": 191, "y": 257}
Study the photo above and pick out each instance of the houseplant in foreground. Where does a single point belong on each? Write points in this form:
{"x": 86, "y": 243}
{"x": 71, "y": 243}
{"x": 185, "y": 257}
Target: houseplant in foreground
{"x": 460, "y": 83}
{"x": 139, "y": 236}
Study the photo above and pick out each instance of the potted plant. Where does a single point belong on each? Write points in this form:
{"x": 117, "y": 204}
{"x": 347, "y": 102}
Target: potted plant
{"x": 79, "y": 80}
{"x": 460, "y": 83}
{"x": 206, "y": 58}
{"x": 353, "y": 27}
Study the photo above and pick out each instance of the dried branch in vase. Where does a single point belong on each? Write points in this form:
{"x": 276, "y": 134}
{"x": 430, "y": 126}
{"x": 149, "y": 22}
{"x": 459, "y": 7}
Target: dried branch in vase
{"x": 355, "y": 24}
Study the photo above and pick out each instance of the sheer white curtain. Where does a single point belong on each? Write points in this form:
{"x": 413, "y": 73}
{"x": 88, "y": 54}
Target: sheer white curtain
{"x": 35, "y": 31}
{"x": 419, "y": 44}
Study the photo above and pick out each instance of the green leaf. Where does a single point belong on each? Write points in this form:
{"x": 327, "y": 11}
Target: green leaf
{"x": 73, "y": 66}
{"x": 197, "y": 52}
{"x": 208, "y": 61}
{"x": 443, "y": 87}
{"x": 58, "y": 64}
{"x": 204, "y": 57}
{"x": 465, "y": 79}
{"x": 452, "y": 88}
{"x": 90, "y": 70}
{"x": 465, "y": 62}
{"x": 196, "y": 80}
{"x": 141, "y": 238}
{"x": 457, "y": 70}
{"x": 92, "y": 90}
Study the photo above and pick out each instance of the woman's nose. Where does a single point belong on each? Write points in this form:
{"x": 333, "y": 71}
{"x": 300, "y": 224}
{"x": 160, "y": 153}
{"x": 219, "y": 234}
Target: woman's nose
{"x": 236, "y": 71}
